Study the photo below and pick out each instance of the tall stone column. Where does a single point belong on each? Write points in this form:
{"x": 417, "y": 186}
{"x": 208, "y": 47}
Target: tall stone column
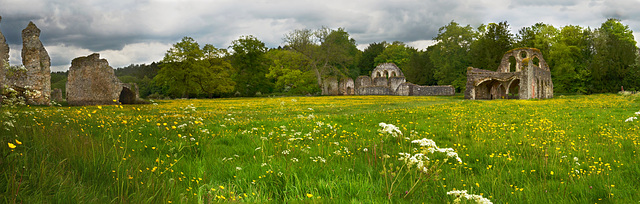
{"x": 4, "y": 59}
{"x": 37, "y": 62}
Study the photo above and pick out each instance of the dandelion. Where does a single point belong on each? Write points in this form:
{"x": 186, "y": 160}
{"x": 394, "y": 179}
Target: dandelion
{"x": 11, "y": 145}
{"x": 309, "y": 195}
{"x": 18, "y": 142}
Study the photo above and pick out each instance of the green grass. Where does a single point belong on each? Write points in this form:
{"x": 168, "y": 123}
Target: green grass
{"x": 272, "y": 150}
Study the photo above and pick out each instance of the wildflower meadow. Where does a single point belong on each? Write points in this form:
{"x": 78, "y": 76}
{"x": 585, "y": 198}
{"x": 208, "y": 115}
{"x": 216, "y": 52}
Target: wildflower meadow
{"x": 343, "y": 149}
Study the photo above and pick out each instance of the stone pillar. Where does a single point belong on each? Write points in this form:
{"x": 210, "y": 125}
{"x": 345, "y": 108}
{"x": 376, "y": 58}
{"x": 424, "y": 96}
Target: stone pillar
{"x": 37, "y": 62}
{"x": 4, "y": 59}
{"x": 92, "y": 81}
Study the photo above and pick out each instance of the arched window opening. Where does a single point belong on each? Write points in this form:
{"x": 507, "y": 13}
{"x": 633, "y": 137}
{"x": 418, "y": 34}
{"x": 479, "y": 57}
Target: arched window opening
{"x": 514, "y": 89}
{"x": 523, "y": 55}
{"x": 513, "y": 64}
{"x": 536, "y": 61}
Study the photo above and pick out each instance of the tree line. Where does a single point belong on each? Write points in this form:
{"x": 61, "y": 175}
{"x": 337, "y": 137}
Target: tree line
{"x": 582, "y": 60}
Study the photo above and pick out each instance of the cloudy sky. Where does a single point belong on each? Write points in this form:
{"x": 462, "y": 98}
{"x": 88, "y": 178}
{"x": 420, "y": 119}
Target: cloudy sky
{"x": 140, "y": 31}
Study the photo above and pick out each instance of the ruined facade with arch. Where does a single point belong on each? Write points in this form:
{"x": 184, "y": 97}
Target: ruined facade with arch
{"x": 523, "y": 74}
{"x": 385, "y": 79}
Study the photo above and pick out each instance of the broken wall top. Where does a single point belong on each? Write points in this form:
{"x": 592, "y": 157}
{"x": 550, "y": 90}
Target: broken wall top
{"x": 522, "y": 57}
{"x": 386, "y": 70}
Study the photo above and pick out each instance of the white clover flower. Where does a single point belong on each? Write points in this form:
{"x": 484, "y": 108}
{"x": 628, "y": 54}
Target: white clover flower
{"x": 637, "y": 113}
{"x": 263, "y": 164}
{"x": 238, "y": 168}
{"x": 365, "y": 149}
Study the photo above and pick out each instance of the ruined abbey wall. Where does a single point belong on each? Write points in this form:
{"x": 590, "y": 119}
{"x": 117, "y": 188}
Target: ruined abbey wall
{"x": 528, "y": 78}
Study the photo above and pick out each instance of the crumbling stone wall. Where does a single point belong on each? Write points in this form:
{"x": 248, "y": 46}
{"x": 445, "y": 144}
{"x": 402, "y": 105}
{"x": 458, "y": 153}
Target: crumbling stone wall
{"x": 347, "y": 86}
{"x": 37, "y": 62}
{"x": 56, "y": 95}
{"x": 388, "y": 79}
{"x": 92, "y": 81}
{"x": 330, "y": 86}
{"x": 4, "y": 58}
{"x": 528, "y": 78}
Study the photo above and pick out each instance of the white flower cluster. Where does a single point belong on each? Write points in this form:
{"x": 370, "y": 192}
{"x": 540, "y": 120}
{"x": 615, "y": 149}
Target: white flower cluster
{"x": 464, "y": 194}
{"x": 630, "y": 119}
{"x": 417, "y": 159}
{"x": 389, "y": 129}
{"x": 432, "y": 147}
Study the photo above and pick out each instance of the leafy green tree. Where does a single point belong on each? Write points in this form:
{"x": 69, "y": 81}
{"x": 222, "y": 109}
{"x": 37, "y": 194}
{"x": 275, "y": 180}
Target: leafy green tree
{"x": 292, "y": 72}
{"x": 330, "y": 52}
{"x": 187, "y": 69}
{"x": 252, "y": 65}
{"x": 615, "y": 55}
{"x": 451, "y": 53}
{"x": 420, "y": 68}
{"x": 569, "y": 58}
{"x": 339, "y": 51}
{"x": 493, "y": 41}
{"x": 540, "y": 36}
{"x": 397, "y": 53}
{"x": 366, "y": 63}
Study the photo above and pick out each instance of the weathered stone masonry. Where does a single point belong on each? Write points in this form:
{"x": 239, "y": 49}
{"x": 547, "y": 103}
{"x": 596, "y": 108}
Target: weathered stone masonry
{"x": 92, "y": 81}
{"x": 388, "y": 79}
{"x": 528, "y": 78}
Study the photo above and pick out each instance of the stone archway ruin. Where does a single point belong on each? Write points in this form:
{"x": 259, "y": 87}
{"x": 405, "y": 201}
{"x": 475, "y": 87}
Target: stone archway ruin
{"x": 523, "y": 74}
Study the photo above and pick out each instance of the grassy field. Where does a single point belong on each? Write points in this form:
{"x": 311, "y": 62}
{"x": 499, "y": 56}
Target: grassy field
{"x": 575, "y": 149}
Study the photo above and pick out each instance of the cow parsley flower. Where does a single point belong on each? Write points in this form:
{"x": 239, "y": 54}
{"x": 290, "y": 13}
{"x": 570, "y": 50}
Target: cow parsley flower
{"x": 389, "y": 129}
{"x": 464, "y": 194}
{"x": 630, "y": 119}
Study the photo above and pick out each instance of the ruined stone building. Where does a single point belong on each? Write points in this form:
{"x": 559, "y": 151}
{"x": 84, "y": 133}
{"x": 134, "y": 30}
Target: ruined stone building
{"x": 35, "y": 78}
{"x": 385, "y": 79}
{"x": 522, "y": 74}
{"x": 92, "y": 81}
{"x": 4, "y": 58}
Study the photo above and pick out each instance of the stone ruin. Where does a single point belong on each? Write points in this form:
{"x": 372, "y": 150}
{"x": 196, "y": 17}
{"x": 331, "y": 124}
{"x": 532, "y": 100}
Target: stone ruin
{"x": 4, "y": 59}
{"x": 385, "y": 79}
{"x": 92, "y": 81}
{"x": 34, "y": 81}
{"x": 528, "y": 77}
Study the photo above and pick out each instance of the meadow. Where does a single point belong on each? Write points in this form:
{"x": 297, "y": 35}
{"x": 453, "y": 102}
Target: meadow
{"x": 344, "y": 149}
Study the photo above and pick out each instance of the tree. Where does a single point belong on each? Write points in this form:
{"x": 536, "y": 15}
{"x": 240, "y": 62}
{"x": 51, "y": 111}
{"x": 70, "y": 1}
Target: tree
{"x": 292, "y": 72}
{"x": 540, "y": 36}
{"x": 187, "y": 69}
{"x": 569, "y": 58}
{"x": 397, "y": 53}
{"x": 450, "y": 54}
{"x": 493, "y": 41}
{"x": 420, "y": 68}
{"x": 615, "y": 55}
{"x": 252, "y": 65}
{"x": 366, "y": 63}
{"x": 330, "y": 52}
